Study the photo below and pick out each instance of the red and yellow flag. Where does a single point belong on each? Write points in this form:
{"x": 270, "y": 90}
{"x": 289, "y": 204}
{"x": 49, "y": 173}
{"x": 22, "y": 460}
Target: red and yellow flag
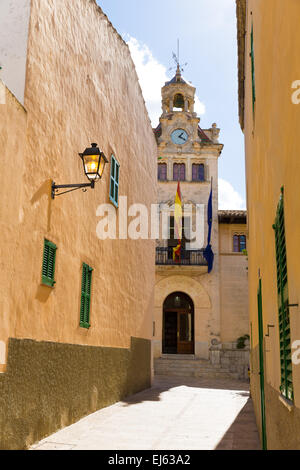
{"x": 178, "y": 224}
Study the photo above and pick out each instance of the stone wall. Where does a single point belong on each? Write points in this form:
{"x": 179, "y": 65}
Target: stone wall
{"x": 233, "y": 285}
{"x": 48, "y": 386}
{"x": 236, "y": 360}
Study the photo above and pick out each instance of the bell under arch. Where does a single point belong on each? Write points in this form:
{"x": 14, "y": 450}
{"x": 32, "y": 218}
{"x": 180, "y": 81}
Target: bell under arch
{"x": 178, "y": 102}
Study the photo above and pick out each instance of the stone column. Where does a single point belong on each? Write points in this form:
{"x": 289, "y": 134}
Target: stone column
{"x": 188, "y": 169}
{"x": 170, "y": 169}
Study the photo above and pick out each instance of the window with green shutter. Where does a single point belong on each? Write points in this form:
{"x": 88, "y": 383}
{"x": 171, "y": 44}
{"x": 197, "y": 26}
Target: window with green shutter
{"x": 48, "y": 268}
{"x": 283, "y": 303}
{"x": 86, "y": 285}
{"x": 114, "y": 181}
{"x": 253, "y": 69}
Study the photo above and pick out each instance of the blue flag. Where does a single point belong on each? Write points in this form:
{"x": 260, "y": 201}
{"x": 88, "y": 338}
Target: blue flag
{"x": 208, "y": 253}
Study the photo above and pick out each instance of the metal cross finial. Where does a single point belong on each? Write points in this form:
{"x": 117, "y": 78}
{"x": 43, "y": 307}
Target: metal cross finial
{"x": 176, "y": 58}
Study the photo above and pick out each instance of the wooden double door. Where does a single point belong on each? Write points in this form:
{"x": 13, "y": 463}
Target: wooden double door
{"x": 178, "y": 331}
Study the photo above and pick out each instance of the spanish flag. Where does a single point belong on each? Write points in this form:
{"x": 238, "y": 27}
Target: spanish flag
{"x": 178, "y": 224}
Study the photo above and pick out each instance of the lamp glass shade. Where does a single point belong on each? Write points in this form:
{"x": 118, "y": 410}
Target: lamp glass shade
{"x": 94, "y": 162}
{"x": 91, "y": 166}
{"x": 101, "y": 166}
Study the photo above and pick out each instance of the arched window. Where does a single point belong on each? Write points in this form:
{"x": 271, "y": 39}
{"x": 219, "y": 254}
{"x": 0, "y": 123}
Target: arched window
{"x": 179, "y": 172}
{"x": 239, "y": 243}
{"x": 198, "y": 172}
{"x": 162, "y": 172}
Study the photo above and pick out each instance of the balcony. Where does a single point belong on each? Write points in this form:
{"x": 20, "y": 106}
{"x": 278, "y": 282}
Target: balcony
{"x": 191, "y": 261}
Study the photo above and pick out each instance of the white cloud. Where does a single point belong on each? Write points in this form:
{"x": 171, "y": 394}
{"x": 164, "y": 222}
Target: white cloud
{"x": 229, "y": 198}
{"x": 152, "y": 77}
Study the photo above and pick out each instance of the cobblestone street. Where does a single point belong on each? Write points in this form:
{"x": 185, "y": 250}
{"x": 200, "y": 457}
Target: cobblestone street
{"x": 177, "y": 413}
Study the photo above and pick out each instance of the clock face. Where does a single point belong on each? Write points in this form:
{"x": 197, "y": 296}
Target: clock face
{"x": 179, "y": 136}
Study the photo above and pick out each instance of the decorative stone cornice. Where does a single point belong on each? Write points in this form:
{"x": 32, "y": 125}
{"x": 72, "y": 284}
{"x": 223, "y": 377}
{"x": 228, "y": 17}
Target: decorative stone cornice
{"x": 232, "y": 217}
{"x": 241, "y": 6}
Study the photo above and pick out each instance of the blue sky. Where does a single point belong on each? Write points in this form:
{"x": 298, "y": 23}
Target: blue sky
{"x": 207, "y": 33}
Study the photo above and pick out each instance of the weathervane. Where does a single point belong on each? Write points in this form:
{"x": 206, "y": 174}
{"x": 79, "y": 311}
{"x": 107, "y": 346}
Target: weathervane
{"x": 176, "y": 59}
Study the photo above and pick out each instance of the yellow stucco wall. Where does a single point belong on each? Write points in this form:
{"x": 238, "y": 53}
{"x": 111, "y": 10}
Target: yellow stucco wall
{"x": 81, "y": 87}
{"x": 272, "y": 161}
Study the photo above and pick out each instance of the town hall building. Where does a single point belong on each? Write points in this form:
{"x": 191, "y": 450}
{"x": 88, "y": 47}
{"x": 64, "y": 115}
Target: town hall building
{"x": 201, "y": 315}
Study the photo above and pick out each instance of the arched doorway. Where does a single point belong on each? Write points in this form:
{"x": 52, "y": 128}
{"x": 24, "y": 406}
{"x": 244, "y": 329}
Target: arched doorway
{"x": 178, "y": 324}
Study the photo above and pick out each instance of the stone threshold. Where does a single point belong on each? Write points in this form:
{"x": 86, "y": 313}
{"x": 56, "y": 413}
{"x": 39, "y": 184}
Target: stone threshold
{"x": 178, "y": 356}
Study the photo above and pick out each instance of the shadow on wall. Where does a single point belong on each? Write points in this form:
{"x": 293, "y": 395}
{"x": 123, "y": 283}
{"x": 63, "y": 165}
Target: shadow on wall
{"x": 43, "y": 293}
{"x": 44, "y": 190}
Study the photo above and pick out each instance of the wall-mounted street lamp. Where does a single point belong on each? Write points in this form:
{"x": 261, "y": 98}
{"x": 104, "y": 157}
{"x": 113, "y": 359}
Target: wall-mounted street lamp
{"x": 94, "y": 161}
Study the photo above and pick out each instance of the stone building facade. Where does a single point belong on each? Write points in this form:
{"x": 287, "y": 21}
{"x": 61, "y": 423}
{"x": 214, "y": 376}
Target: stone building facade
{"x": 71, "y": 82}
{"x": 199, "y": 315}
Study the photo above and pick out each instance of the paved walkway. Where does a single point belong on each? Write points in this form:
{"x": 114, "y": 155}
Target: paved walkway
{"x": 175, "y": 414}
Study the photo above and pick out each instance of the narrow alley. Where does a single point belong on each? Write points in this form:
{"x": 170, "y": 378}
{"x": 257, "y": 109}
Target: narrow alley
{"x": 177, "y": 413}
{"x": 149, "y": 227}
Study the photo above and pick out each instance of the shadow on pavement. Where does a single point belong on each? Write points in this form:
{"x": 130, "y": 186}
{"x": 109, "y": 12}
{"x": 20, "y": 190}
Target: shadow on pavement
{"x": 162, "y": 384}
{"x": 242, "y": 434}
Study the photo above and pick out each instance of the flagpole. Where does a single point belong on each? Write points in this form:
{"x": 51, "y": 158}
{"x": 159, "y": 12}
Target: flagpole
{"x": 208, "y": 253}
{"x": 178, "y": 223}
{"x": 180, "y": 241}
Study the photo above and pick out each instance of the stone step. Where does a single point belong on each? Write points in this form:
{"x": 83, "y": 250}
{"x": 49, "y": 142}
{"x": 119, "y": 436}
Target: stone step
{"x": 175, "y": 364}
{"x": 181, "y": 358}
{"x": 209, "y": 375}
{"x": 193, "y": 371}
{"x": 191, "y": 368}
{"x": 159, "y": 369}
{"x": 179, "y": 365}
{"x": 184, "y": 363}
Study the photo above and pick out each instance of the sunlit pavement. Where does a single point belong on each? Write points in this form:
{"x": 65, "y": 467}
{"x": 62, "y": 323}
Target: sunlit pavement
{"x": 177, "y": 413}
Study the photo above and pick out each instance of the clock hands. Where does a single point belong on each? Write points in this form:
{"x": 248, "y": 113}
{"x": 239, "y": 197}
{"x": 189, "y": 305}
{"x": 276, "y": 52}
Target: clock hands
{"x": 182, "y": 138}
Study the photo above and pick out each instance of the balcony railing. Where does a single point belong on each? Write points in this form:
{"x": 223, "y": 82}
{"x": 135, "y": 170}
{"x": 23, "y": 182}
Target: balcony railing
{"x": 164, "y": 257}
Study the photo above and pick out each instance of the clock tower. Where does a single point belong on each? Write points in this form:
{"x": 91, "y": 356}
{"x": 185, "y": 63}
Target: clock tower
{"x": 199, "y": 313}
{"x": 179, "y": 133}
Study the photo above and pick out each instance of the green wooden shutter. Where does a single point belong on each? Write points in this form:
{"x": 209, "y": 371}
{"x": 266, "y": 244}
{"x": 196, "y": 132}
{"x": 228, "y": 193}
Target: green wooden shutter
{"x": 114, "y": 181}
{"x": 48, "y": 267}
{"x": 253, "y": 69}
{"x": 86, "y": 286}
{"x": 283, "y": 304}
